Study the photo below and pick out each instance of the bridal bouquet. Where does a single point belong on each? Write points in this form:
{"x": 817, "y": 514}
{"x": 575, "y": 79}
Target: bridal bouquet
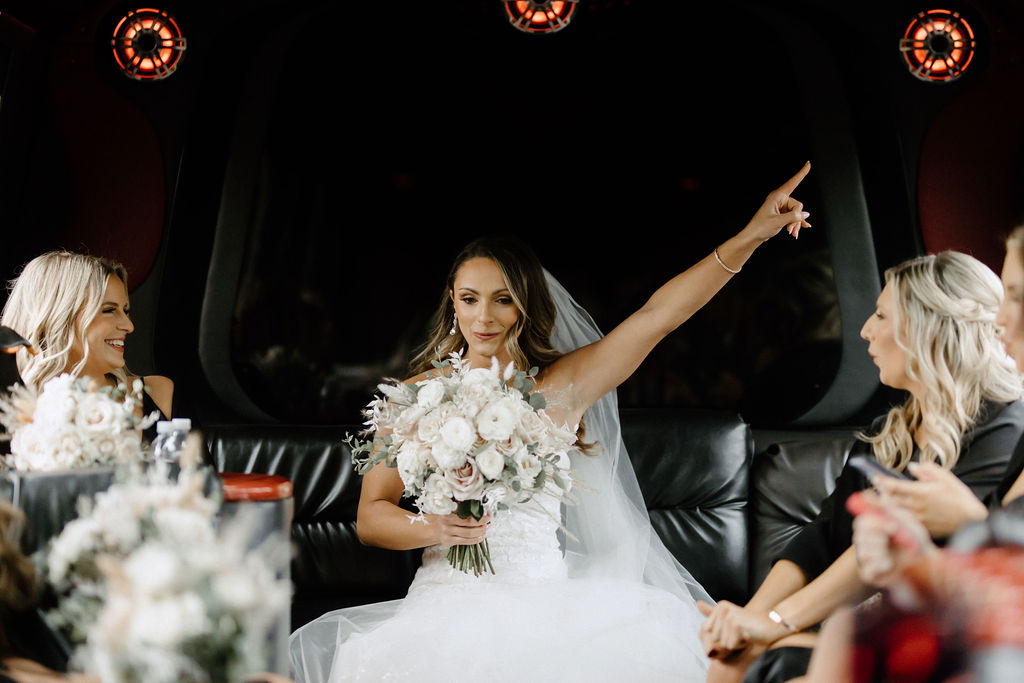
{"x": 150, "y": 587}
{"x": 472, "y": 441}
{"x": 67, "y": 425}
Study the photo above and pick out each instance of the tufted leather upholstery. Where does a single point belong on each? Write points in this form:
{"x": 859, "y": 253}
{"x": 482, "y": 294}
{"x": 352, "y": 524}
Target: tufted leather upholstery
{"x": 692, "y": 467}
{"x": 693, "y": 471}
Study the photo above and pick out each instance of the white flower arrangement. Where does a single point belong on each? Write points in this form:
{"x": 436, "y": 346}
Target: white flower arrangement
{"x": 150, "y": 588}
{"x": 67, "y": 424}
{"x": 472, "y": 441}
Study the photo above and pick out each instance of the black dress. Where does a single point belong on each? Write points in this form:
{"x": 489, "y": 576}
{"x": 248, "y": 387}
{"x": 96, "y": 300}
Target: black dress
{"x": 983, "y": 465}
{"x": 148, "y": 407}
{"x": 984, "y": 455}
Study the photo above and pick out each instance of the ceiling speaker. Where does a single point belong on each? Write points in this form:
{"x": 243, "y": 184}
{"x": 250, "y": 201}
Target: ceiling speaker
{"x": 148, "y": 45}
{"x": 540, "y": 16}
{"x": 938, "y": 46}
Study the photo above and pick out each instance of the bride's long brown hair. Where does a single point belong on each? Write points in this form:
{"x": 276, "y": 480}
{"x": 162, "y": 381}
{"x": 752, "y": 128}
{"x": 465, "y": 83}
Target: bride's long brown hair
{"x": 529, "y": 341}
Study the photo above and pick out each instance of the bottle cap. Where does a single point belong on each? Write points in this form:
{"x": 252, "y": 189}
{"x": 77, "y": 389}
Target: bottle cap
{"x": 182, "y": 423}
{"x": 164, "y": 427}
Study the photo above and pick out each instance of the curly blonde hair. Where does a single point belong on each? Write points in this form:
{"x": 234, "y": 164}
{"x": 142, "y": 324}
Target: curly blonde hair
{"x": 944, "y": 319}
{"x": 51, "y": 304}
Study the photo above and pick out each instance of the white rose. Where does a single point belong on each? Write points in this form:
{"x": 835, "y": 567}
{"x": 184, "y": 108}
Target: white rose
{"x": 458, "y": 434}
{"x": 429, "y": 429}
{"x": 509, "y": 446}
{"x": 467, "y": 483}
{"x": 491, "y": 462}
{"x": 446, "y": 457}
{"x": 436, "y": 498}
{"x": 408, "y": 421}
{"x": 497, "y": 420}
{"x": 532, "y": 426}
{"x": 431, "y": 394}
{"x": 471, "y": 398}
{"x": 98, "y": 414}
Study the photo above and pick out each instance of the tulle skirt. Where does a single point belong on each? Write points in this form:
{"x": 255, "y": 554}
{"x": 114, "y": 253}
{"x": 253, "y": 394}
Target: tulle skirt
{"x": 566, "y": 630}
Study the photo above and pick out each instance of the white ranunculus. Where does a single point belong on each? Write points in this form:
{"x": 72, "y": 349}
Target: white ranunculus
{"x": 436, "y": 498}
{"x": 56, "y": 403}
{"x": 411, "y": 462}
{"x": 446, "y": 457}
{"x": 167, "y": 622}
{"x": 184, "y": 526}
{"x": 152, "y": 569}
{"x": 236, "y": 590}
{"x": 491, "y": 462}
{"x": 528, "y": 464}
{"x": 497, "y": 420}
{"x": 494, "y": 494}
{"x": 458, "y": 434}
{"x": 487, "y": 377}
{"x": 431, "y": 394}
{"x": 466, "y": 482}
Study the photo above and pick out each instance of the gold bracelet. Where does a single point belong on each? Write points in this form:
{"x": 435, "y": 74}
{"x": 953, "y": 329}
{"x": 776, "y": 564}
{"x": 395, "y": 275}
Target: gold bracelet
{"x": 719, "y": 259}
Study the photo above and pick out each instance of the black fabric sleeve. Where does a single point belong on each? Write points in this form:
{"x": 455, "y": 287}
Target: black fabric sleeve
{"x": 984, "y": 454}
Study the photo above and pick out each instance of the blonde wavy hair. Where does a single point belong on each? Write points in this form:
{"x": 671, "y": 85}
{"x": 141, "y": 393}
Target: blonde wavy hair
{"x": 51, "y": 304}
{"x": 944, "y": 319}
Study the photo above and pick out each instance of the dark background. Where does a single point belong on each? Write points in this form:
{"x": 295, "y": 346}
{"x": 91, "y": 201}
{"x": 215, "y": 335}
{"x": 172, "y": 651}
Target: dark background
{"x": 288, "y": 201}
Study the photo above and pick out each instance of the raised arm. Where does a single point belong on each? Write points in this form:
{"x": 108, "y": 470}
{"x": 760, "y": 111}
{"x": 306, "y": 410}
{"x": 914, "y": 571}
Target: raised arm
{"x": 594, "y": 370}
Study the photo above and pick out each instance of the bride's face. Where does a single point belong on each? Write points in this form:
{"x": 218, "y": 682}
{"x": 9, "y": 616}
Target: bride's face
{"x": 486, "y": 310}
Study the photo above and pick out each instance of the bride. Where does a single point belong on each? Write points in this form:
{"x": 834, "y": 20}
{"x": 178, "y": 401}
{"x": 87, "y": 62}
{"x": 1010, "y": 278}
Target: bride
{"x": 603, "y": 601}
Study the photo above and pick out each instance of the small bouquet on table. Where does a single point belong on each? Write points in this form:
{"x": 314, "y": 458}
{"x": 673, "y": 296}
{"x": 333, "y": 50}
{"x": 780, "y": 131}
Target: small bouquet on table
{"x": 472, "y": 441}
{"x": 68, "y": 424}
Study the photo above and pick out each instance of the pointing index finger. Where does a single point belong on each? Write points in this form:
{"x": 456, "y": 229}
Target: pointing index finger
{"x": 791, "y": 184}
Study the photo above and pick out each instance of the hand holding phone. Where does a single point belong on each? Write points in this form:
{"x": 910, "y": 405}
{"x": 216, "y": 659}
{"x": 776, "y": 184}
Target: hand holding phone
{"x": 871, "y": 468}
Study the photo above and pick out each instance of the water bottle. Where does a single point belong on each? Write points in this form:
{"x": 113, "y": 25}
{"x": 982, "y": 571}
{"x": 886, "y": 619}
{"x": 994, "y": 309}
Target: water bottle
{"x": 170, "y": 438}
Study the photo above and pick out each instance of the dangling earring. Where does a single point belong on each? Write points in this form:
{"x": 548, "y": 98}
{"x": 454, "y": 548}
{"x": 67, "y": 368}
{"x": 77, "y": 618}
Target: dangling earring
{"x": 455, "y": 325}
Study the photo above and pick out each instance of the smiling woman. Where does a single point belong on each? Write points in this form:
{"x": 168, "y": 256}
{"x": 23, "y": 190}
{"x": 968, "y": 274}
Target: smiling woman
{"x": 73, "y": 309}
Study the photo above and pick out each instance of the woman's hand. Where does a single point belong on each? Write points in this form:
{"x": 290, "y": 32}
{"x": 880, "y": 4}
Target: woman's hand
{"x": 729, "y": 628}
{"x": 780, "y": 210}
{"x": 453, "y": 530}
{"x": 938, "y": 499}
{"x": 886, "y": 539}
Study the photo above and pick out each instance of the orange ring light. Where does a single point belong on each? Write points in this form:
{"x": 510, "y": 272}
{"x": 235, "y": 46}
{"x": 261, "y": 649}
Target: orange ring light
{"x": 938, "y": 46}
{"x": 147, "y": 44}
{"x": 540, "y": 16}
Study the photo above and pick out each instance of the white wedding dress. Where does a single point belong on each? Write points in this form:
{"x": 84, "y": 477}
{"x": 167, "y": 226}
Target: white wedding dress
{"x": 529, "y": 621}
{"x": 602, "y": 601}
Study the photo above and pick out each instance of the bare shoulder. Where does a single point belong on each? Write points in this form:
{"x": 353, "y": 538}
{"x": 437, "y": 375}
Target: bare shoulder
{"x": 161, "y": 390}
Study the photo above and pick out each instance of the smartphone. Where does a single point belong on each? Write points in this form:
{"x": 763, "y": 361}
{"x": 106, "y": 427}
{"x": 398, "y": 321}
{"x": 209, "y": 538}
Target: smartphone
{"x": 871, "y": 468}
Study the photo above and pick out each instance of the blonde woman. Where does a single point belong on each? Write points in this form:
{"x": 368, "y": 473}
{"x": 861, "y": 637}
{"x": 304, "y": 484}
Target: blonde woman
{"x": 73, "y": 309}
{"x": 933, "y": 334}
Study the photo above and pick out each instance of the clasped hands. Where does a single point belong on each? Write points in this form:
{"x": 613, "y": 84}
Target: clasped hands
{"x": 730, "y": 627}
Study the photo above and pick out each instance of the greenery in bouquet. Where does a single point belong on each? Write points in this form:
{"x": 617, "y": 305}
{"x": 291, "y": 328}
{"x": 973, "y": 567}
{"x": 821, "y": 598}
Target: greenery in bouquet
{"x": 69, "y": 424}
{"x": 149, "y": 586}
{"x": 472, "y": 441}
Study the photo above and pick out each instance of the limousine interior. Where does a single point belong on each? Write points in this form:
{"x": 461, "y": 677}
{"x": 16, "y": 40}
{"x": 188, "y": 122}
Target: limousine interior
{"x": 288, "y": 182}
